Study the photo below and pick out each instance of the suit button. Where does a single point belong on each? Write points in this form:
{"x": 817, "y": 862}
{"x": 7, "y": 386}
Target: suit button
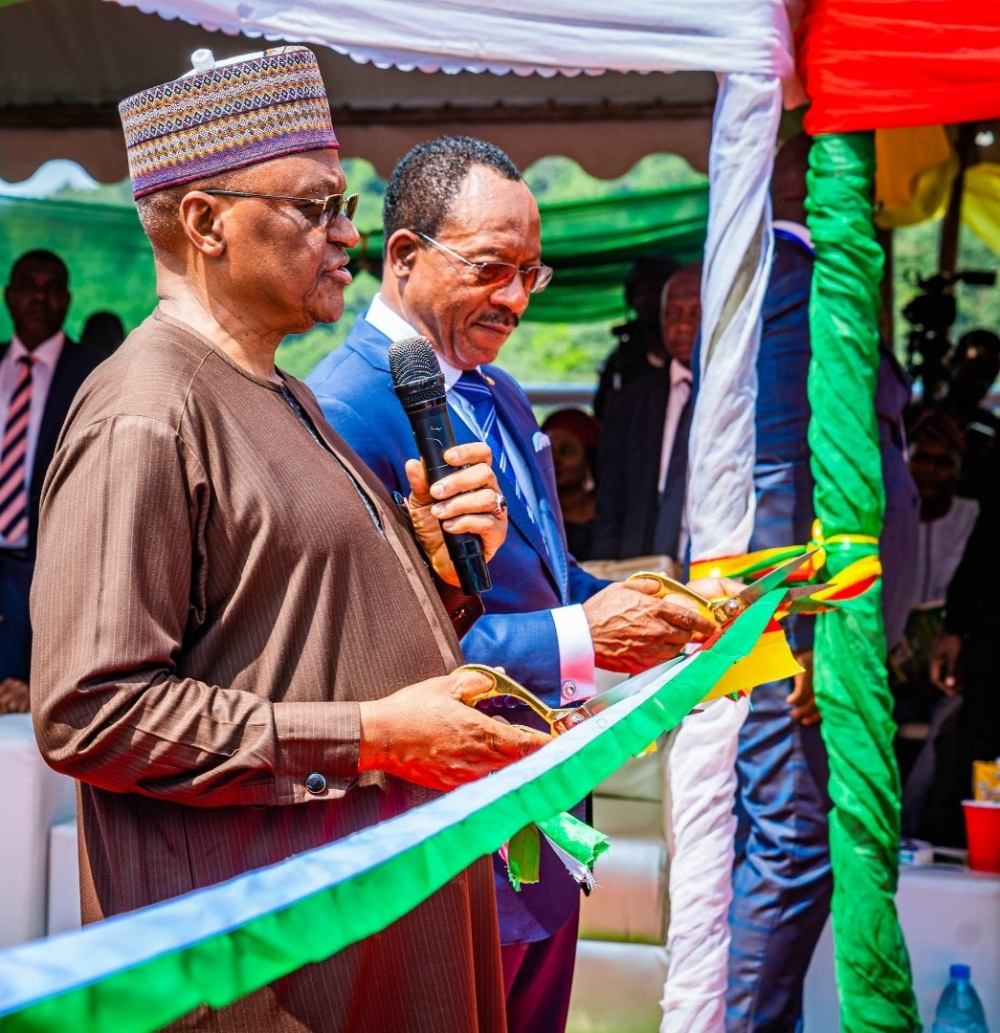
{"x": 315, "y": 783}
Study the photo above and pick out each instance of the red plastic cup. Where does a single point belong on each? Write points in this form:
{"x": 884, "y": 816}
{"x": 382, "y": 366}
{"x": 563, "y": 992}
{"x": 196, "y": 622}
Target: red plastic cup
{"x": 982, "y": 829}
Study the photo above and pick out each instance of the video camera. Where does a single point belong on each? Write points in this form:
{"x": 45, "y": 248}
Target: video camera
{"x": 932, "y": 314}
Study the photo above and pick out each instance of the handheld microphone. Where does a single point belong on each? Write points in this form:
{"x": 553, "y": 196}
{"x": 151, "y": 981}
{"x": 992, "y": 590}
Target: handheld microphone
{"x": 419, "y": 385}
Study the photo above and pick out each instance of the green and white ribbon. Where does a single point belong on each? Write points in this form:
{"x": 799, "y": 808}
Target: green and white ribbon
{"x": 139, "y": 971}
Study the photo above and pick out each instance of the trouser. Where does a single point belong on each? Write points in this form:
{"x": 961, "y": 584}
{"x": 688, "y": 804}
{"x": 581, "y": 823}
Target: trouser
{"x": 978, "y": 735}
{"x": 537, "y": 980}
{"x": 782, "y": 880}
{"x": 16, "y": 570}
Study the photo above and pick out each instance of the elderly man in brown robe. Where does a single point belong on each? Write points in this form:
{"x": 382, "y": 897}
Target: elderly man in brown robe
{"x": 243, "y": 643}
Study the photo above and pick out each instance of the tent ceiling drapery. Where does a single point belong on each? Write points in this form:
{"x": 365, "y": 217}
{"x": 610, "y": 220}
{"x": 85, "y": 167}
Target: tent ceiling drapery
{"x": 64, "y": 65}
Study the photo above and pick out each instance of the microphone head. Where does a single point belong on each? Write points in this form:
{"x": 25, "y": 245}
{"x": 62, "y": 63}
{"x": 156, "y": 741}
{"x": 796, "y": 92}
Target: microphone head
{"x": 412, "y": 360}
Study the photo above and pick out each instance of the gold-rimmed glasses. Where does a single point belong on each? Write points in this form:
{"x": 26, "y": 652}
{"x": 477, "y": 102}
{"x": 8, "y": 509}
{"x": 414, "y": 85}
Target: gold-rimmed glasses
{"x": 499, "y": 274}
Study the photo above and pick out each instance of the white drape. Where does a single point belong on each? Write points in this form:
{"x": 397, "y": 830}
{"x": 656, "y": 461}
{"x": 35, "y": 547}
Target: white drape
{"x": 702, "y": 779}
{"x": 748, "y": 42}
{"x": 521, "y": 36}
{"x": 720, "y": 517}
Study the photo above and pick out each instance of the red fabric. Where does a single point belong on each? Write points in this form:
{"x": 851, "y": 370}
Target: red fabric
{"x": 880, "y": 64}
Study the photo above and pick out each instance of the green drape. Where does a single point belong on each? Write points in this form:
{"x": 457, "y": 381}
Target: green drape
{"x": 873, "y": 969}
{"x": 589, "y": 244}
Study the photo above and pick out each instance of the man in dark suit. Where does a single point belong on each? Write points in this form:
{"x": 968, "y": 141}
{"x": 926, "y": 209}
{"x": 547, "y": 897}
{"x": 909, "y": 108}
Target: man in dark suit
{"x": 642, "y": 456}
{"x": 40, "y": 371}
{"x": 462, "y": 256}
{"x": 640, "y": 340}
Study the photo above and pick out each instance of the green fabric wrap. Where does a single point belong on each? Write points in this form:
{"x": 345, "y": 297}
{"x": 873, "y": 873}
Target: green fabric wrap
{"x": 218, "y": 970}
{"x": 577, "y": 838}
{"x": 873, "y": 968}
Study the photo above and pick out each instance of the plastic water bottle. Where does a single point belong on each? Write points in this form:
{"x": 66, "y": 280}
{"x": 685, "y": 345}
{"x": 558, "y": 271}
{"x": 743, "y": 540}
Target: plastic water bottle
{"x": 959, "y": 1010}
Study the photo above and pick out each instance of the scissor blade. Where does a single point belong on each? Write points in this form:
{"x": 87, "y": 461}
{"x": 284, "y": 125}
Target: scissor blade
{"x": 773, "y": 579}
{"x": 609, "y": 698}
{"x": 801, "y": 600}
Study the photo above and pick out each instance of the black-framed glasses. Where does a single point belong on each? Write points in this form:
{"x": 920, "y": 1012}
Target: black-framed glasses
{"x": 499, "y": 274}
{"x": 329, "y": 207}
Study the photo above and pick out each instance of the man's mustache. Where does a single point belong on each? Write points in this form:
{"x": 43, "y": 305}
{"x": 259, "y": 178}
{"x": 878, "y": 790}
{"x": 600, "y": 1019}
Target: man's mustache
{"x": 504, "y": 319}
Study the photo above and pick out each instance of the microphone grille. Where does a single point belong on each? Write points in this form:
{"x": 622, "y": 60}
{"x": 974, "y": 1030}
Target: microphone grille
{"x": 412, "y": 360}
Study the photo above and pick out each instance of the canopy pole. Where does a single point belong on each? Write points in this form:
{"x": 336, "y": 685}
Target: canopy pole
{"x": 952, "y": 223}
{"x": 872, "y": 965}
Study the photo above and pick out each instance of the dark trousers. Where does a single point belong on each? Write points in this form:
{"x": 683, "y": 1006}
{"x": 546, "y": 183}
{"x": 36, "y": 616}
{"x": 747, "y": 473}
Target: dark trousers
{"x": 537, "y": 980}
{"x": 782, "y": 880}
{"x": 978, "y": 731}
{"x": 16, "y": 571}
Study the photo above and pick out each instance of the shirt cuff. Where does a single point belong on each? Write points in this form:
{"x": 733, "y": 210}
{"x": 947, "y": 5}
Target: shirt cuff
{"x": 318, "y": 748}
{"x": 576, "y": 655}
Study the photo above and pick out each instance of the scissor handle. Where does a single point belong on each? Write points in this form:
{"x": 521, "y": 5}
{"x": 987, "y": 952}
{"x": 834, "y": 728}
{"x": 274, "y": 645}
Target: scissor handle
{"x": 719, "y": 609}
{"x": 503, "y": 685}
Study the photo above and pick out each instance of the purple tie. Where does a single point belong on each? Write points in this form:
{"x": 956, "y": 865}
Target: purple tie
{"x": 13, "y": 467}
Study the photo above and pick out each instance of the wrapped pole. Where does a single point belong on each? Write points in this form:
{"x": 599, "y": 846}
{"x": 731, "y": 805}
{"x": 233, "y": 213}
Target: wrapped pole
{"x": 873, "y": 969}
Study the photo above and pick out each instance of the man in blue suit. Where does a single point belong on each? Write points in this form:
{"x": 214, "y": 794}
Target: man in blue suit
{"x": 462, "y": 255}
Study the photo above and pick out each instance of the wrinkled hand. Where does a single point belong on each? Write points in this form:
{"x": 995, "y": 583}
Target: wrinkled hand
{"x": 632, "y": 631}
{"x": 15, "y": 697}
{"x": 944, "y": 663}
{"x": 425, "y": 734}
{"x": 802, "y": 698}
{"x": 463, "y": 501}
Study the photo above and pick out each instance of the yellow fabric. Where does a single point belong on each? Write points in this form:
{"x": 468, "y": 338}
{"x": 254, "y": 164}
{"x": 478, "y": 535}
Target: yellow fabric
{"x": 981, "y": 203}
{"x": 914, "y": 171}
{"x": 770, "y": 660}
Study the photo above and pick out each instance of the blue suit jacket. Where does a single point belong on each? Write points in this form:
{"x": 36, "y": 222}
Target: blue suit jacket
{"x": 782, "y": 472}
{"x": 354, "y": 388}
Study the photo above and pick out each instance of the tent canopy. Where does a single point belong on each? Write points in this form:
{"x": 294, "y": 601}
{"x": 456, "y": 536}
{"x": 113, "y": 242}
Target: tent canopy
{"x": 65, "y": 64}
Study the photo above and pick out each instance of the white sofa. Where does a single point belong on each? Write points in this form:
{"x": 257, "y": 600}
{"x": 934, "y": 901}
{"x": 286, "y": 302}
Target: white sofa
{"x": 34, "y": 797}
{"x": 622, "y": 958}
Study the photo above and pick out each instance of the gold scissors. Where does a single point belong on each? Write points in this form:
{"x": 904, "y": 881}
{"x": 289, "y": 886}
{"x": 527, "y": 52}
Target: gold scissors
{"x": 561, "y": 719}
{"x": 727, "y": 608}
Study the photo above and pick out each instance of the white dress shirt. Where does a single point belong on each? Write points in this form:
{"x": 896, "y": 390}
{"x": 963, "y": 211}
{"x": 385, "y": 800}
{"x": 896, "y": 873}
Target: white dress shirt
{"x": 680, "y": 394}
{"x": 46, "y": 355}
{"x": 576, "y": 647}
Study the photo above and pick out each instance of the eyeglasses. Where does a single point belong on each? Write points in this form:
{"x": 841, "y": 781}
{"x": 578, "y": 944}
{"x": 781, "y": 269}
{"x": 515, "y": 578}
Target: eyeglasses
{"x": 329, "y": 207}
{"x": 499, "y": 274}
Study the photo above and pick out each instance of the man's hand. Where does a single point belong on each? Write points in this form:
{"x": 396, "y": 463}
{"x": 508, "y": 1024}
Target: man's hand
{"x": 425, "y": 734}
{"x": 944, "y": 663}
{"x": 802, "y": 698}
{"x": 632, "y": 631}
{"x": 463, "y": 501}
{"x": 15, "y": 697}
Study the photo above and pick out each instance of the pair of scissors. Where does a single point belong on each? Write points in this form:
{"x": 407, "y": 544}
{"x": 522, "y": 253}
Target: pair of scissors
{"x": 562, "y": 719}
{"x": 727, "y": 608}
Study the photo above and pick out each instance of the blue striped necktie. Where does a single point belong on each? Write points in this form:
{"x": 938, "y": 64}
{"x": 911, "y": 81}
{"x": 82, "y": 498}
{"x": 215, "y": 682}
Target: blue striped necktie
{"x": 472, "y": 386}
{"x": 13, "y": 466}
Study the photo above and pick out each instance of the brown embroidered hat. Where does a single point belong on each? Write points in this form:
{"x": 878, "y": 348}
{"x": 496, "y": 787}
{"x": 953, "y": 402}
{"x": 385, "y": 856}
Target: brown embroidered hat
{"x": 224, "y": 116}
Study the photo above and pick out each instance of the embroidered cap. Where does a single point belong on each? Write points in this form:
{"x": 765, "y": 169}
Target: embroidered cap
{"x": 225, "y": 116}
